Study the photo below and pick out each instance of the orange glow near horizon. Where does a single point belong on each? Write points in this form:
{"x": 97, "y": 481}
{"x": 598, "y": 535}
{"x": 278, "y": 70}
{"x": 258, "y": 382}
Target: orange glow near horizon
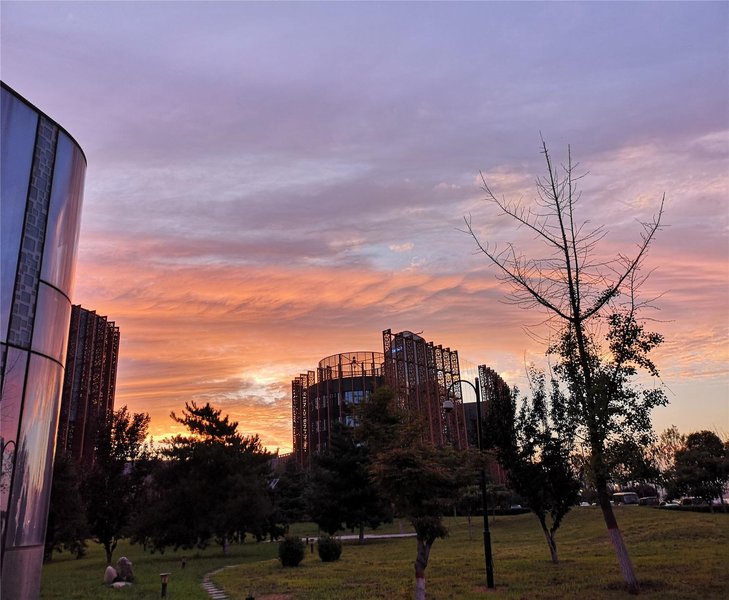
{"x": 236, "y": 335}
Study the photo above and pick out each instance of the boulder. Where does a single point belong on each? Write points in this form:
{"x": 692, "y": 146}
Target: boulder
{"x": 110, "y": 575}
{"x": 124, "y": 569}
{"x": 120, "y": 584}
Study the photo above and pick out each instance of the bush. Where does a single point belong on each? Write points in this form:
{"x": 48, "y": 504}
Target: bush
{"x": 291, "y": 551}
{"x": 330, "y": 549}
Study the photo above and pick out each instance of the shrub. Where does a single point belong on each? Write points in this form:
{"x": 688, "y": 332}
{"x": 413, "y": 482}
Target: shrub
{"x": 291, "y": 551}
{"x": 330, "y": 549}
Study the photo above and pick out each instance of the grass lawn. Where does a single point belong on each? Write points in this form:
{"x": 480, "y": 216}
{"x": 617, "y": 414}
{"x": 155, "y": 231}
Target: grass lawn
{"x": 66, "y": 578}
{"x": 676, "y": 555}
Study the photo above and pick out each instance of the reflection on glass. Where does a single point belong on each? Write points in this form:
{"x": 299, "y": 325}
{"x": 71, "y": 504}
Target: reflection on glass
{"x": 10, "y": 401}
{"x": 34, "y": 461}
{"x": 52, "y": 318}
{"x": 17, "y": 139}
{"x": 59, "y": 252}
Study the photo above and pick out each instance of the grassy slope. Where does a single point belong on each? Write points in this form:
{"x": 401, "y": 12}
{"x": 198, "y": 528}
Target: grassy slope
{"x": 677, "y": 555}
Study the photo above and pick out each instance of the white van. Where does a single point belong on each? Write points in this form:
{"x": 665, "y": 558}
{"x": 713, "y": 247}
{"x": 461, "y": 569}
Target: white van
{"x": 625, "y": 498}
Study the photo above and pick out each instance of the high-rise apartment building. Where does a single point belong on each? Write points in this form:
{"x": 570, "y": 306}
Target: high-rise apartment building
{"x": 88, "y": 385}
{"x": 41, "y": 191}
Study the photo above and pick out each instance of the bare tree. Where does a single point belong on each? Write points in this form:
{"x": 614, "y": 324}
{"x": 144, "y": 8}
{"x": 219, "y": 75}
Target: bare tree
{"x": 592, "y": 310}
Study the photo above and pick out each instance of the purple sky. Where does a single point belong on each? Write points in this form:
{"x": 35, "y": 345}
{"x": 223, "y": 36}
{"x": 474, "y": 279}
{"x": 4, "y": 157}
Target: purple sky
{"x": 272, "y": 183}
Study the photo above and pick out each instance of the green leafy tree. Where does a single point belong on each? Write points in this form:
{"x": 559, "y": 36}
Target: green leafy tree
{"x": 701, "y": 468}
{"x": 469, "y": 503}
{"x": 67, "y": 526}
{"x": 534, "y": 447}
{"x": 113, "y": 486}
{"x": 631, "y": 464}
{"x": 590, "y": 301}
{"x": 663, "y": 451}
{"x": 422, "y": 482}
{"x": 341, "y": 492}
{"x": 212, "y": 483}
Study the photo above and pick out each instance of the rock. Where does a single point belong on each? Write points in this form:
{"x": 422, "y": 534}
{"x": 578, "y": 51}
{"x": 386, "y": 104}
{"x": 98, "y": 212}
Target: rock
{"x": 110, "y": 575}
{"x": 120, "y": 584}
{"x": 124, "y": 569}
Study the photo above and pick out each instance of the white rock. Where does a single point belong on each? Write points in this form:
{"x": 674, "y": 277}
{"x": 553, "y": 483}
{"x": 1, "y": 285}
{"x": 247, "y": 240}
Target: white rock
{"x": 109, "y": 575}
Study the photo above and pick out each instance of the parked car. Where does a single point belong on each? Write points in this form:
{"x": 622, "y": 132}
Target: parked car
{"x": 693, "y": 501}
{"x": 649, "y": 501}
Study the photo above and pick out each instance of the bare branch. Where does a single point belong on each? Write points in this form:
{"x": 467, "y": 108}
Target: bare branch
{"x": 647, "y": 236}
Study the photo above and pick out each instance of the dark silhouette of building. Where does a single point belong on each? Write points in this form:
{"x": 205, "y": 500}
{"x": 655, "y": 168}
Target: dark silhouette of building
{"x": 89, "y": 383}
{"x": 492, "y": 389}
{"x": 41, "y": 187}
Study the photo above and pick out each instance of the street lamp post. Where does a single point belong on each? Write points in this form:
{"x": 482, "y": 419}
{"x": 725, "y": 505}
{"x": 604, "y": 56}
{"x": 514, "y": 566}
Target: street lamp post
{"x": 486, "y": 532}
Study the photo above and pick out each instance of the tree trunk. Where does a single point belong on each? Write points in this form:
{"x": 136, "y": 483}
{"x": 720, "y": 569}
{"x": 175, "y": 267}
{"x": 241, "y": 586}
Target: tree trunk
{"x": 109, "y": 551}
{"x": 626, "y": 566}
{"x": 551, "y": 544}
{"x": 361, "y": 533}
{"x": 225, "y": 545}
{"x": 421, "y": 563}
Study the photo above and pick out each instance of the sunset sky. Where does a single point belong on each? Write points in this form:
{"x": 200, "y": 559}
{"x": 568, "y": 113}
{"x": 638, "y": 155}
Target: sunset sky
{"x": 272, "y": 183}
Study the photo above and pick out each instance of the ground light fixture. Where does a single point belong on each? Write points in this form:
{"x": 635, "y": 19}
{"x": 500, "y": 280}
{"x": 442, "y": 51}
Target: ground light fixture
{"x": 164, "y": 577}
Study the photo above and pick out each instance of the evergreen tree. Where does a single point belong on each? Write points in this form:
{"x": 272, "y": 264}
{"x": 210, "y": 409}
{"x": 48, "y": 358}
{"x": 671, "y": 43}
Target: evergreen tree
{"x": 289, "y": 496}
{"x": 341, "y": 493}
{"x": 211, "y": 483}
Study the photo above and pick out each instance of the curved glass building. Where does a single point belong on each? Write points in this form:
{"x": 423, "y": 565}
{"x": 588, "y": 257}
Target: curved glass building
{"x": 41, "y": 190}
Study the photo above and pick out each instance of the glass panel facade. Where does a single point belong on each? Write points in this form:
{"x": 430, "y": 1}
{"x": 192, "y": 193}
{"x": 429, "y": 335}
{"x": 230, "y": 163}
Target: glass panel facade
{"x": 34, "y": 461}
{"x": 40, "y": 199}
{"x": 52, "y": 317}
{"x": 59, "y": 253}
{"x": 19, "y": 123}
{"x": 10, "y": 402}
{"x": 354, "y": 397}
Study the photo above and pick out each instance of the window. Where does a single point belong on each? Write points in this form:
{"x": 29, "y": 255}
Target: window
{"x": 354, "y": 397}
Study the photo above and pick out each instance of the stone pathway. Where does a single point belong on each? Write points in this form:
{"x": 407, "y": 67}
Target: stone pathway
{"x": 213, "y": 590}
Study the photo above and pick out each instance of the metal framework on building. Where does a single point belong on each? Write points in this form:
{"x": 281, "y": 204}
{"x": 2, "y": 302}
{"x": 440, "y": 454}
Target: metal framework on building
{"x": 300, "y": 415}
{"x": 493, "y": 387}
{"x": 423, "y": 376}
{"x": 321, "y": 398}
